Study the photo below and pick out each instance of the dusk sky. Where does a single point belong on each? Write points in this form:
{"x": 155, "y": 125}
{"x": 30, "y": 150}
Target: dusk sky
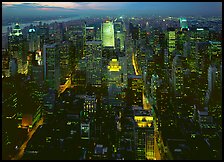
{"x": 97, "y": 8}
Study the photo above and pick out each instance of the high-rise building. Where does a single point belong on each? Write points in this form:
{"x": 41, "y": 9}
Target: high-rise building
{"x": 34, "y": 43}
{"x": 177, "y": 75}
{"x": 177, "y": 82}
{"x": 89, "y": 106}
{"x": 89, "y": 33}
{"x": 144, "y": 134}
{"x": 5, "y": 63}
{"x": 13, "y": 66}
{"x": 119, "y": 35}
{"x": 135, "y": 88}
{"x": 51, "y": 65}
{"x": 211, "y": 78}
{"x": 171, "y": 41}
{"x": 108, "y": 34}
{"x": 215, "y": 52}
{"x": 65, "y": 69}
{"x": 123, "y": 62}
{"x": 114, "y": 80}
{"x": 16, "y": 46}
{"x": 183, "y": 23}
{"x": 93, "y": 54}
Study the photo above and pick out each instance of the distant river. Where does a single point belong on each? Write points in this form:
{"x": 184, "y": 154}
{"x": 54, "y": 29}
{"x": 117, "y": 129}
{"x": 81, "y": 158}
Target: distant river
{"x": 22, "y": 25}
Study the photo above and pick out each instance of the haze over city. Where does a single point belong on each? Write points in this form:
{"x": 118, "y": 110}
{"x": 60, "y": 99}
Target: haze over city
{"x": 97, "y": 8}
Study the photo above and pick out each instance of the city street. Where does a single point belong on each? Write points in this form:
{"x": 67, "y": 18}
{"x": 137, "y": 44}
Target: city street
{"x": 30, "y": 134}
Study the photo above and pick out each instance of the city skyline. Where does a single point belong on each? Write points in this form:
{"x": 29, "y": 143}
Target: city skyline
{"x": 105, "y": 86}
{"x": 14, "y": 9}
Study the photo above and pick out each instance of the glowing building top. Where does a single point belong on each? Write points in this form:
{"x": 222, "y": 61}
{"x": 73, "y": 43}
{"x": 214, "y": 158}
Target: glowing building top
{"x": 183, "y": 23}
{"x": 31, "y": 30}
{"x": 114, "y": 65}
{"x": 16, "y": 31}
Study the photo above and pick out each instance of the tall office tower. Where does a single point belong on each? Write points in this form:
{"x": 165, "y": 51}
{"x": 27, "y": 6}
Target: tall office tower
{"x": 51, "y": 65}
{"x": 135, "y": 88}
{"x": 34, "y": 43}
{"x": 183, "y": 24}
{"x": 114, "y": 81}
{"x": 190, "y": 92}
{"x": 124, "y": 76}
{"x": 166, "y": 58}
{"x": 16, "y": 47}
{"x": 5, "y": 63}
{"x": 89, "y": 33}
{"x": 211, "y": 78}
{"x": 89, "y": 107}
{"x": 119, "y": 36}
{"x": 93, "y": 53}
{"x": 13, "y": 66}
{"x": 98, "y": 33}
{"x": 177, "y": 80}
{"x": 52, "y": 35}
{"x": 154, "y": 85}
{"x": 202, "y": 57}
{"x": 144, "y": 134}
{"x": 215, "y": 52}
{"x": 171, "y": 41}
{"x": 182, "y": 37}
{"x": 162, "y": 95}
{"x": 43, "y": 33}
{"x": 37, "y": 67}
{"x": 64, "y": 51}
{"x": 108, "y": 34}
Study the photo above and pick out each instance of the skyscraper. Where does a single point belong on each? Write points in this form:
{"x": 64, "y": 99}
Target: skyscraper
{"x": 171, "y": 41}
{"x": 16, "y": 47}
{"x": 93, "y": 54}
{"x": 51, "y": 65}
{"x": 135, "y": 85}
{"x": 114, "y": 80}
{"x": 33, "y": 40}
{"x": 108, "y": 34}
{"x": 183, "y": 23}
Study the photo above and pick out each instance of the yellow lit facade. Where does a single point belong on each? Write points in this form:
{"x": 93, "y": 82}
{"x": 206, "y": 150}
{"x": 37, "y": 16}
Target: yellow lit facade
{"x": 114, "y": 65}
{"x": 144, "y": 137}
{"x": 108, "y": 34}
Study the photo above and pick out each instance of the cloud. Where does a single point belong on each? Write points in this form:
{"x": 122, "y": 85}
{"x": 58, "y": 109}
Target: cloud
{"x": 70, "y": 5}
{"x": 113, "y": 7}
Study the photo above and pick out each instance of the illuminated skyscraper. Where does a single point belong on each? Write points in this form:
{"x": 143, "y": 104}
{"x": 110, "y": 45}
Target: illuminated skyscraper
{"x": 5, "y": 63}
{"x": 119, "y": 35}
{"x": 33, "y": 40}
{"x": 89, "y": 33}
{"x": 108, "y": 34}
{"x": 65, "y": 69}
{"x": 183, "y": 23}
{"x": 144, "y": 134}
{"x": 135, "y": 85}
{"x": 114, "y": 80}
{"x": 171, "y": 41}
{"x": 93, "y": 54}
{"x": 89, "y": 107}
{"x": 177, "y": 81}
{"x": 16, "y": 47}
